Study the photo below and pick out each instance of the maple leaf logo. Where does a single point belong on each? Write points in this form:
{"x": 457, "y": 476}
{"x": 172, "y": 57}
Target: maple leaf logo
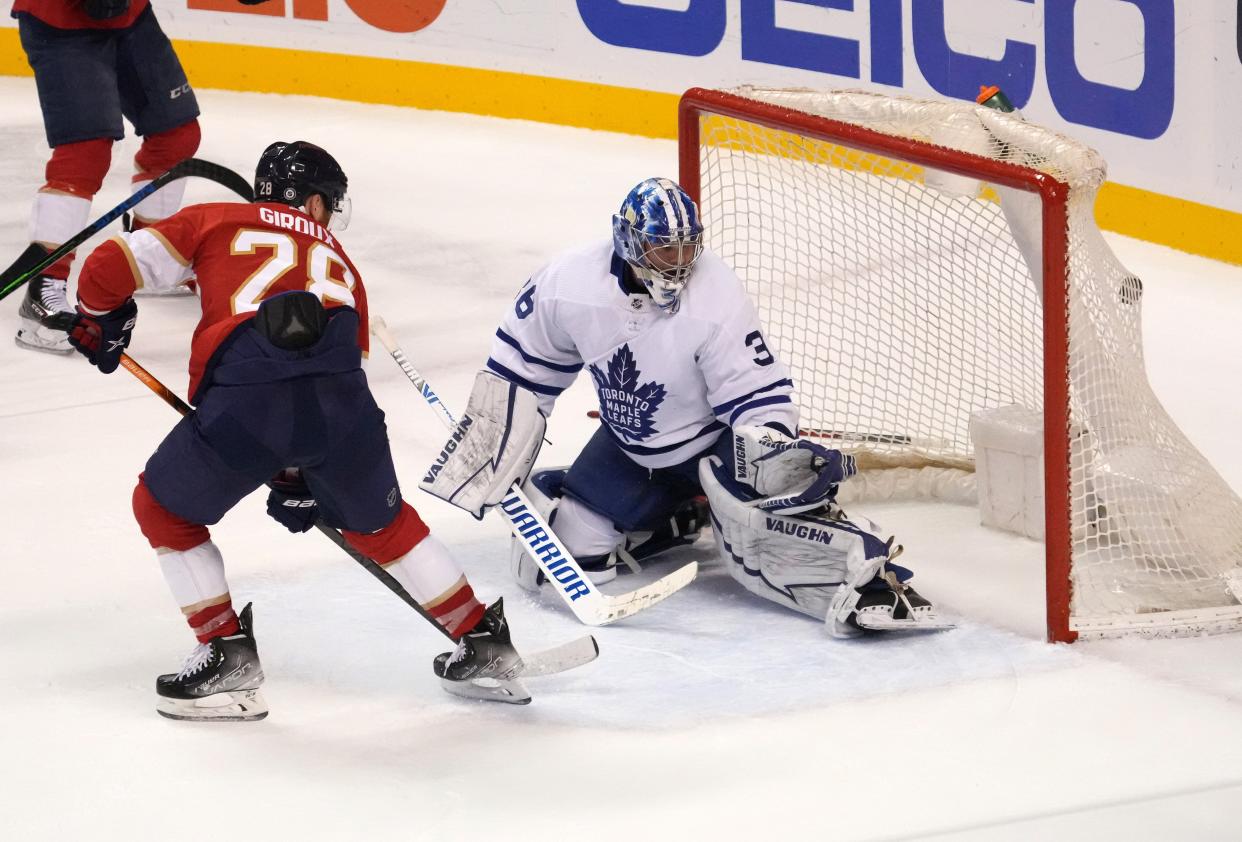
{"x": 628, "y": 408}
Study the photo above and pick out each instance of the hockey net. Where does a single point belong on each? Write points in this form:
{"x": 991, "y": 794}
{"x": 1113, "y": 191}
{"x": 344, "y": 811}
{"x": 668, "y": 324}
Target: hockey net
{"x": 901, "y": 254}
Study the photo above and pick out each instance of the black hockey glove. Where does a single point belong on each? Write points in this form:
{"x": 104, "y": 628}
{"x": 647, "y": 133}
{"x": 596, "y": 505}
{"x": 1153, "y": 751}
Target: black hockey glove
{"x": 102, "y": 339}
{"x": 291, "y": 503}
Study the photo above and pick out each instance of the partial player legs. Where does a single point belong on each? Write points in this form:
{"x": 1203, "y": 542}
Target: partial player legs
{"x": 62, "y": 208}
{"x": 76, "y": 79}
{"x": 159, "y": 153}
{"x": 485, "y": 664}
{"x": 422, "y": 564}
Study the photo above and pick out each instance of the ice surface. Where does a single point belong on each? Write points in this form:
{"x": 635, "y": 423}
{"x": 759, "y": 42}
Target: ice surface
{"x": 711, "y": 716}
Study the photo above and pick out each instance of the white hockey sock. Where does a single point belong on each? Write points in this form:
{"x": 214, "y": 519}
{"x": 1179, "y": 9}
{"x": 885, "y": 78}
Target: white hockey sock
{"x": 195, "y": 577}
{"x": 57, "y": 217}
{"x": 162, "y": 203}
{"x": 434, "y": 578}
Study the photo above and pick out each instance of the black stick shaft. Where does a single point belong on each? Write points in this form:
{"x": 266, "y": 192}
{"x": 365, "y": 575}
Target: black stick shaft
{"x": 188, "y": 167}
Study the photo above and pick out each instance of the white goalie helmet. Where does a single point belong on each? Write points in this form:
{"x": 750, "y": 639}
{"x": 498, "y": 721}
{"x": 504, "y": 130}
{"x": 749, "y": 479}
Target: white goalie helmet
{"x": 658, "y": 233}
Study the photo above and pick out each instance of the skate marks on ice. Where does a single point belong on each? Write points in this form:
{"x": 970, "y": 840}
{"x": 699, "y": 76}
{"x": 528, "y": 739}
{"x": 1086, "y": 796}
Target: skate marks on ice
{"x": 709, "y": 652}
{"x": 714, "y": 651}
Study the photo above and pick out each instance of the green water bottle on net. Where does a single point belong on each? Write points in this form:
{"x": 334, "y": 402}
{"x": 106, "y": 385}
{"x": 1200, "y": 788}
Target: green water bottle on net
{"x": 991, "y": 96}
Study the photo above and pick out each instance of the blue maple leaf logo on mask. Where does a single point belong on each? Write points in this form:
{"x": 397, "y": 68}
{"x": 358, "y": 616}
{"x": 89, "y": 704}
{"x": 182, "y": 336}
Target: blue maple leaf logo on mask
{"x": 628, "y": 408}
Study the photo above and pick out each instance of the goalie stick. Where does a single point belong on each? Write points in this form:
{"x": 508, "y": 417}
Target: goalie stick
{"x": 21, "y": 272}
{"x": 919, "y": 453}
{"x": 587, "y": 603}
{"x": 549, "y": 661}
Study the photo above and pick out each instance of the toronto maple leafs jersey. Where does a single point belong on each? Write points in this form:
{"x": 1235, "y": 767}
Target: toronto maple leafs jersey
{"x": 668, "y": 383}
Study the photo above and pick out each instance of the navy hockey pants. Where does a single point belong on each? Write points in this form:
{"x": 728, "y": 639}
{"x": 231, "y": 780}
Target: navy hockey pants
{"x": 88, "y": 78}
{"x": 635, "y": 498}
{"x": 240, "y": 436}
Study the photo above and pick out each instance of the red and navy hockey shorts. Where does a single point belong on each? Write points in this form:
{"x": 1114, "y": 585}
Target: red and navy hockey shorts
{"x": 89, "y": 78}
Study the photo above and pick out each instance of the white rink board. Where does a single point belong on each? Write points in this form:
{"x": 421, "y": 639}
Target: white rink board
{"x": 711, "y": 717}
{"x": 1153, "y": 84}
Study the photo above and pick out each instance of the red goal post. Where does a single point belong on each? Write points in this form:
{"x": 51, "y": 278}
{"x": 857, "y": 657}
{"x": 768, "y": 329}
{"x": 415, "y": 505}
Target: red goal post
{"x": 745, "y": 154}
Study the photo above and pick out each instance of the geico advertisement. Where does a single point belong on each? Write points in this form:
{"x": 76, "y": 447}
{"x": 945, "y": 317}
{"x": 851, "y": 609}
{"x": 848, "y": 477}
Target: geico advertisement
{"x": 1154, "y": 84}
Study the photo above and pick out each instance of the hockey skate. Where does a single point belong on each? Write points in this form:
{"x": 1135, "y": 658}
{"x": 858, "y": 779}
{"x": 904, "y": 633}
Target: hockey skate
{"x": 484, "y": 665}
{"x": 886, "y": 602}
{"x": 218, "y": 681}
{"x": 45, "y": 317}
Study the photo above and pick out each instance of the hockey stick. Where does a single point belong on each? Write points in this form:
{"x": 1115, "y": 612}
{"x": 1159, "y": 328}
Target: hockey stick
{"x": 919, "y": 453}
{"x": 530, "y": 528}
{"x": 19, "y": 273}
{"x": 575, "y": 653}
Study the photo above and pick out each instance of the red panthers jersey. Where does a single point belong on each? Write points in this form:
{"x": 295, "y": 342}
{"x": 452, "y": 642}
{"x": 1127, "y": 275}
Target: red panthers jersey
{"x": 239, "y": 255}
{"x": 71, "y": 14}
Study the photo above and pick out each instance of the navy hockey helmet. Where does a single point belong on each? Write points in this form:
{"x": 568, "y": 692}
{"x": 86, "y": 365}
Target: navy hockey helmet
{"x": 657, "y": 231}
{"x": 290, "y": 173}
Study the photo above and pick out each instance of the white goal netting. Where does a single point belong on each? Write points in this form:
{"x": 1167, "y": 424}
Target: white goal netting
{"x": 905, "y": 297}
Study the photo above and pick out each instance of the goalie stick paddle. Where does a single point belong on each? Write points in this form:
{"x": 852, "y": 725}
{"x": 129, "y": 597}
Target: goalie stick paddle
{"x": 587, "y": 602}
{"x": 556, "y": 659}
{"x": 19, "y": 273}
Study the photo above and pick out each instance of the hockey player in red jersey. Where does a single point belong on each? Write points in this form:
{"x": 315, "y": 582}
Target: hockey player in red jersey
{"x": 276, "y": 378}
{"x": 96, "y": 62}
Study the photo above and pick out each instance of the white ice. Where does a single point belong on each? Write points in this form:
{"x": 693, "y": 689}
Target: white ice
{"x": 712, "y": 716}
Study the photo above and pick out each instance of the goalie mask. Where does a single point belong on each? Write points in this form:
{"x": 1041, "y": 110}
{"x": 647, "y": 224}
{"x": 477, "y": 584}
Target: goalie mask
{"x": 658, "y": 233}
{"x": 290, "y": 173}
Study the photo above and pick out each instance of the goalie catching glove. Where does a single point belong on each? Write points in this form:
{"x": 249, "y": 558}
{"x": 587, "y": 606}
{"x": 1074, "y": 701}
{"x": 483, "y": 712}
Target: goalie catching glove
{"x": 493, "y": 447}
{"x": 787, "y": 475}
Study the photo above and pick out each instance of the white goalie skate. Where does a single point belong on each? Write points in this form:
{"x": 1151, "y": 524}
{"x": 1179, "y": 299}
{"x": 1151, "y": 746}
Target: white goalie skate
{"x": 883, "y": 603}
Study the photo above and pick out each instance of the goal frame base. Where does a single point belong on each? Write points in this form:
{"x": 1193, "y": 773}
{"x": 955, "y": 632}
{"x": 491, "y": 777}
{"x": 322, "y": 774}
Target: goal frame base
{"x": 1186, "y": 623}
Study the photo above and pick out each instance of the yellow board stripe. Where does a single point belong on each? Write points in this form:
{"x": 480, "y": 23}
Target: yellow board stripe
{"x": 1190, "y": 226}
{"x": 430, "y": 86}
{"x": 1170, "y": 221}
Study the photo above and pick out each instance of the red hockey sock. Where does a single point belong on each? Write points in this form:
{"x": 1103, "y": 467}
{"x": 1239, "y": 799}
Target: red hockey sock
{"x": 218, "y": 620}
{"x": 394, "y": 540}
{"x": 161, "y": 527}
{"x": 164, "y": 150}
{"x": 457, "y": 610}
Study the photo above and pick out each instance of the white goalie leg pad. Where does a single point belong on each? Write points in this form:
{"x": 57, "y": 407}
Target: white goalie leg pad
{"x": 493, "y": 447}
{"x": 801, "y": 561}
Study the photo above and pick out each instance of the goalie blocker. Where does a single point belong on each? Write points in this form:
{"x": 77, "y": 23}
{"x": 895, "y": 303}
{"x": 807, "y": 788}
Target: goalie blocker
{"x": 492, "y": 448}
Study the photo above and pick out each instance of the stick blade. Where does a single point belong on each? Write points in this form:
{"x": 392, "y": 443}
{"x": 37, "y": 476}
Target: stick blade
{"x": 567, "y": 656}
{"x": 620, "y": 606}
